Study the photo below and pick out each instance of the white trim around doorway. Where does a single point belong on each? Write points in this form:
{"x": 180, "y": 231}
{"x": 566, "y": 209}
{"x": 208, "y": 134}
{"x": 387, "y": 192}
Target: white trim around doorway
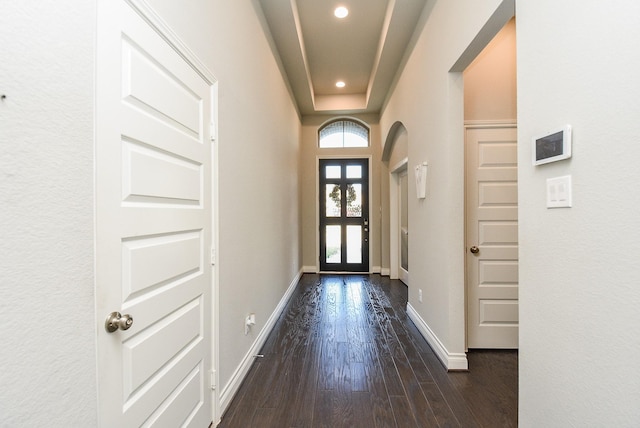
{"x": 394, "y": 217}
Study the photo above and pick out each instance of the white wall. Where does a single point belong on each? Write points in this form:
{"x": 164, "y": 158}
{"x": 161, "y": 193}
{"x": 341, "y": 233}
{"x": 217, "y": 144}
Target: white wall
{"x": 428, "y": 100}
{"x": 259, "y": 140}
{"x": 579, "y": 272}
{"x": 47, "y": 345}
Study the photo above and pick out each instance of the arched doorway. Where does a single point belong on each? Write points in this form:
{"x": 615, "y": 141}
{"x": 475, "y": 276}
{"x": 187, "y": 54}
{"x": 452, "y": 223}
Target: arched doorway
{"x": 395, "y": 154}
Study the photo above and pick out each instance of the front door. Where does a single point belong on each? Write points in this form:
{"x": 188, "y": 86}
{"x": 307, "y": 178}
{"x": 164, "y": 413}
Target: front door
{"x": 153, "y": 227}
{"x": 492, "y": 237}
{"x": 344, "y": 215}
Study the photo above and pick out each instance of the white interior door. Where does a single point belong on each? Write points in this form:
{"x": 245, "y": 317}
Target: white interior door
{"x": 154, "y": 221}
{"x": 492, "y": 237}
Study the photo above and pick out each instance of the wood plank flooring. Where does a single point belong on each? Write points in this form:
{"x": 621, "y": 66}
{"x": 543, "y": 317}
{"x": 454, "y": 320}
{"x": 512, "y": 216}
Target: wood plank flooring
{"x": 345, "y": 354}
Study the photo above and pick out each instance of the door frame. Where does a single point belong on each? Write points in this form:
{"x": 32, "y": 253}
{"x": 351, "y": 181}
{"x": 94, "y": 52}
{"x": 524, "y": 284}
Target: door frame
{"x": 317, "y": 203}
{"x": 215, "y": 251}
{"x": 402, "y": 175}
{"x": 394, "y": 217}
{"x": 158, "y": 24}
{"x": 474, "y": 124}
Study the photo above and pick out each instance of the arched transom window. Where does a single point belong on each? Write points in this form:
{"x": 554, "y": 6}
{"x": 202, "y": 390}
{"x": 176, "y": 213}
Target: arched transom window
{"x": 343, "y": 133}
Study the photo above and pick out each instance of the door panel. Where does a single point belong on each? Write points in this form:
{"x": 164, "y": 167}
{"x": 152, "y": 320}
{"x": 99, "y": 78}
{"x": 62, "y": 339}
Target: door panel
{"x": 154, "y": 217}
{"x": 155, "y": 177}
{"x": 492, "y": 227}
{"x": 344, "y": 215}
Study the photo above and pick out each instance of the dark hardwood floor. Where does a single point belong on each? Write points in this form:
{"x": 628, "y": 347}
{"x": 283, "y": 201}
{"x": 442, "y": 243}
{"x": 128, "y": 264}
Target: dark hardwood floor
{"x": 345, "y": 354}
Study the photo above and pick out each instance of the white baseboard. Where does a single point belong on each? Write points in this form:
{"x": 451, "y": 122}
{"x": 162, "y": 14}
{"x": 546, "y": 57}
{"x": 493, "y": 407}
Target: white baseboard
{"x": 450, "y": 360}
{"x": 230, "y": 389}
{"x": 309, "y": 269}
{"x": 375, "y": 269}
{"x": 385, "y": 271}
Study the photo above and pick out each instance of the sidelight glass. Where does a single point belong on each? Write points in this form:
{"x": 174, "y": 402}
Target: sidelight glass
{"x": 334, "y": 244}
{"x": 354, "y": 244}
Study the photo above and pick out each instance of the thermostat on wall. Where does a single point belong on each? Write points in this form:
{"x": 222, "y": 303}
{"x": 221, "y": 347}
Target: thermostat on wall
{"x": 551, "y": 146}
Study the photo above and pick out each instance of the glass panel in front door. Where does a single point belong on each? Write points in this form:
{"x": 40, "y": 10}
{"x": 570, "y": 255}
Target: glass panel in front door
{"x": 333, "y": 171}
{"x": 333, "y": 200}
{"x": 334, "y": 244}
{"x": 354, "y": 200}
{"x": 354, "y": 171}
{"x": 344, "y": 215}
{"x": 354, "y": 244}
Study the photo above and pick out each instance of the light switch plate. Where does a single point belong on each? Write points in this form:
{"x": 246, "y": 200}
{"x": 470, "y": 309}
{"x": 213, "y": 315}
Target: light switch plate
{"x": 559, "y": 192}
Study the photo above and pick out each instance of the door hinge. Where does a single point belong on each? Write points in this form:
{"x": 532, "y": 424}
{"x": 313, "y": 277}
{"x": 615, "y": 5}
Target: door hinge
{"x": 213, "y": 256}
{"x": 213, "y": 131}
{"x": 213, "y": 379}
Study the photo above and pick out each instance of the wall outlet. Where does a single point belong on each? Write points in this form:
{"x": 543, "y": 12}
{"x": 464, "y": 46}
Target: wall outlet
{"x": 420, "y": 295}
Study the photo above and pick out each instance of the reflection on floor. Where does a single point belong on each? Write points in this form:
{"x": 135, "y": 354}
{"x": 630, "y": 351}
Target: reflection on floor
{"x": 345, "y": 354}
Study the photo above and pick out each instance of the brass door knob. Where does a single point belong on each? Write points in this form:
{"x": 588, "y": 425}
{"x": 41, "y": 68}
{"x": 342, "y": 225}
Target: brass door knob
{"x": 474, "y": 249}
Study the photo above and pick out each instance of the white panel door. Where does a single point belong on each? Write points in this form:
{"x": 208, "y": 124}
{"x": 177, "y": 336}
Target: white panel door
{"x": 492, "y": 237}
{"x": 154, "y": 220}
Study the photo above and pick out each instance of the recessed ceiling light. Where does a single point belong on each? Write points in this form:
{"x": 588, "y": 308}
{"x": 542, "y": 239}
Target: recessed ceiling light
{"x": 340, "y": 84}
{"x": 341, "y": 12}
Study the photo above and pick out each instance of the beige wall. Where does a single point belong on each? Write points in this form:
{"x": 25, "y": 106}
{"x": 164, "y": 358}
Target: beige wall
{"x": 400, "y": 147}
{"x": 490, "y": 80}
{"x": 428, "y": 100}
{"x": 258, "y": 154}
{"x": 308, "y": 182}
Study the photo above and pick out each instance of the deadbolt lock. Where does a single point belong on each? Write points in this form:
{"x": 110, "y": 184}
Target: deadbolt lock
{"x": 116, "y": 321}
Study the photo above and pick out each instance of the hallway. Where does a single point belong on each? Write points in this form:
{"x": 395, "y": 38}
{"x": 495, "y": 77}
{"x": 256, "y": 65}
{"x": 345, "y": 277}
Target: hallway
{"x": 345, "y": 354}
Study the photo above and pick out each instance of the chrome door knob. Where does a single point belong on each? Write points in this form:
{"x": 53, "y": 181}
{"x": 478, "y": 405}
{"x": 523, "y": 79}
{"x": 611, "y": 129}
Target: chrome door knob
{"x": 115, "y": 322}
{"x": 474, "y": 249}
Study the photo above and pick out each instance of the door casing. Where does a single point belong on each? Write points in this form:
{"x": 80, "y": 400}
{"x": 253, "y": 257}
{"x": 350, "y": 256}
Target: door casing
{"x": 403, "y": 189}
{"x": 394, "y": 217}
